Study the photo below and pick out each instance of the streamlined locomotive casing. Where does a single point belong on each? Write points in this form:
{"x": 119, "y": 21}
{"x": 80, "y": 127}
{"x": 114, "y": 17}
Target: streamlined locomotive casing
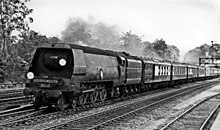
{"x": 46, "y": 75}
{"x": 83, "y": 65}
{"x": 94, "y": 65}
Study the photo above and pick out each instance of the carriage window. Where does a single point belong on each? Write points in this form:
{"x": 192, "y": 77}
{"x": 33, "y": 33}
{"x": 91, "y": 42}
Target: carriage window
{"x": 165, "y": 70}
{"x": 159, "y": 70}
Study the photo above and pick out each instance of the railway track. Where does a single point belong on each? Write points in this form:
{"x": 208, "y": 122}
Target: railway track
{"x": 11, "y": 118}
{"x": 7, "y": 103}
{"x": 14, "y": 114}
{"x": 5, "y": 86}
{"x": 46, "y": 115}
{"x": 196, "y": 117}
{"x": 11, "y": 97}
{"x": 10, "y": 94}
{"x": 85, "y": 119}
{"x": 107, "y": 118}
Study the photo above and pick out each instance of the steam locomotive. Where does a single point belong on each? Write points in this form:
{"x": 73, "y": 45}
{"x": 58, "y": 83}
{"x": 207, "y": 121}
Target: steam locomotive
{"x": 65, "y": 75}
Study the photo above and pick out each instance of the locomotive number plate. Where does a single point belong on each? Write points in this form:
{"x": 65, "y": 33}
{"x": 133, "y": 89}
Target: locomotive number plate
{"x": 45, "y": 85}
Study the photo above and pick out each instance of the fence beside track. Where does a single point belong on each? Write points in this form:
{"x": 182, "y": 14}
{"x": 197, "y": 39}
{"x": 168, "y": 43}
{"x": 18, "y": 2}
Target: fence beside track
{"x": 11, "y": 85}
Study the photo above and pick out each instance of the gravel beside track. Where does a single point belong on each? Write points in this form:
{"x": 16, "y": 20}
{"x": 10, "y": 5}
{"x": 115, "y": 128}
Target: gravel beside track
{"x": 197, "y": 116}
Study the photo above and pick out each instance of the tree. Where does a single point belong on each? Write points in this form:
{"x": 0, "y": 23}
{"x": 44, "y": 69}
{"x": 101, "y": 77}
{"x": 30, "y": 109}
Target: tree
{"x": 13, "y": 18}
{"x": 128, "y": 39}
{"x": 131, "y": 43}
{"x": 22, "y": 54}
{"x": 214, "y": 50}
{"x": 160, "y": 45}
{"x": 29, "y": 42}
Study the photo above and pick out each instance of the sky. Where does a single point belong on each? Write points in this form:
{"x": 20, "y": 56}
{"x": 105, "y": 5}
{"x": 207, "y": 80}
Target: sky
{"x": 184, "y": 23}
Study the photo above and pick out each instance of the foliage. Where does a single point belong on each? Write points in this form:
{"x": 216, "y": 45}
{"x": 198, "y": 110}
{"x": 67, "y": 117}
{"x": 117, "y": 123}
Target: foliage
{"x": 13, "y": 17}
{"x": 192, "y": 56}
{"x": 28, "y": 44}
{"x": 131, "y": 43}
{"x": 22, "y": 53}
{"x": 203, "y": 51}
{"x": 160, "y": 45}
{"x": 174, "y": 53}
{"x": 214, "y": 50}
{"x": 160, "y": 50}
{"x": 128, "y": 39}
{"x": 13, "y": 20}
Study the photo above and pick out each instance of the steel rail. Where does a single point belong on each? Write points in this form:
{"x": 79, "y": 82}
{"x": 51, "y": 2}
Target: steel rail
{"x": 209, "y": 118}
{"x": 188, "y": 111}
{"x": 16, "y": 119}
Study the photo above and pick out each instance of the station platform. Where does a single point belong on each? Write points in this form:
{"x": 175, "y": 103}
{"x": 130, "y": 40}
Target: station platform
{"x": 216, "y": 124}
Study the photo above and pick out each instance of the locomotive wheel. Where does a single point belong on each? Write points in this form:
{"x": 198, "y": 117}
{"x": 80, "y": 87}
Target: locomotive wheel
{"x": 49, "y": 107}
{"x": 125, "y": 91}
{"x": 93, "y": 96}
{"x": 112, "y": 93}
{"x": 60, "y": 103}
{"x": 73, "y": 103}
{"x": 131, "y": 88}
{"x": 102, "y": 95}
{"x": 36, "y": 104}
{"x": 81, "y": 99}
{"x": 138, "y": 88}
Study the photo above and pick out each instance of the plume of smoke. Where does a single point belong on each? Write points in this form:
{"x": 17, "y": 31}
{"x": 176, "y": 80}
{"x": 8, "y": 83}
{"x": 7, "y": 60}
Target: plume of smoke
{"x": 100, "y": 35}
{"x": 91, "y": 33}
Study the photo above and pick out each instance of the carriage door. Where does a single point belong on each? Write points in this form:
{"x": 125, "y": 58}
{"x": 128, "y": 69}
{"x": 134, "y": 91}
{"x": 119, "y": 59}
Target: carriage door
{"x": 171, "y": 72}
{"x": 121, "y": 69}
